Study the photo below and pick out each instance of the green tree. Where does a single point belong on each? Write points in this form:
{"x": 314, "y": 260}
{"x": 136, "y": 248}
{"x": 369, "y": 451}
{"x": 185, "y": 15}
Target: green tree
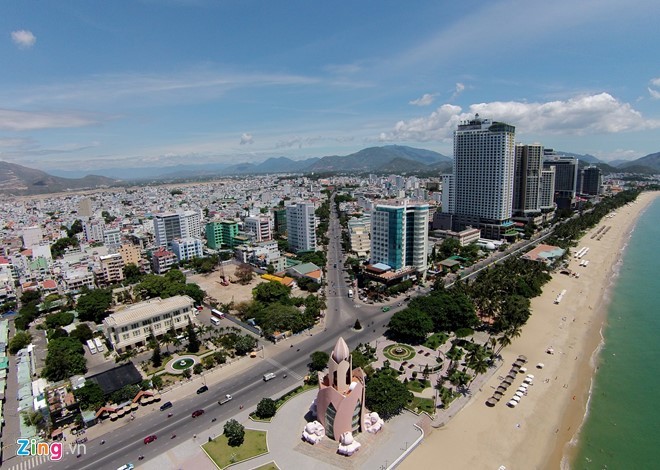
{"x": 34, "y": 418}
{"x": 244, "y": 273}
{"x": 82, "y": 333}
{"x": 132, "y": 273}
{"x": 125, "y": 393}
{"x": 410, "y": 326}
{"x": 319, "y": 361}
{"x": 449, "y": 247}
{"x": 59, "y": 247}
{"x": 193, "y": 342}
{"x": 271, "y": 292}
{"x": 156, "y": 357}
{"x": 65, "y": 358}
{"x": 59, "y": 319}
{"x": 235, "y": 433}
{"x": 20, "y": 340}
{"x": 157, "y": 382}
{"x": 244, "y": 344}
{"x": 90, "y": 396}
{"x": 76, "y": 227}
{"x": 93, "y": 305}
{"x": 386, "y": 395}
{"x": 266, "y": 408}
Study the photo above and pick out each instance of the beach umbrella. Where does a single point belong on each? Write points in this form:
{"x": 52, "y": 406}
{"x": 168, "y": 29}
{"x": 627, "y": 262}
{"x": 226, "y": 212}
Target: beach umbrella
{"x": 540, "y": 365}
{"x": 515, "y": 398}
{"x": 113, "y": 416}
{"x": 550, "y": 351}
{"x": 512, "y": 403}
{"x": 491, "y": 402}
{"x": 523, "y": 369}
{"x": 508, "y": 381}
{"x": 519, "y": 394}
{"x": 527, "y": 381}
{"x": 511, "y": 376}
{"x": 515, "y": 367}
{"x": 524, "y": 385}
{"x": 134, "y": 406}
{"x": 502, "y": 389}
{"x": 530, "y": 376}
{"x": 524, "y": 358}
{"x": 157, "y": 397}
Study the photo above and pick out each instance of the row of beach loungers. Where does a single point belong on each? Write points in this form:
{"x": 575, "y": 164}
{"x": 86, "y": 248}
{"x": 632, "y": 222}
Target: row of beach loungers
{"x": 508, "y": 380}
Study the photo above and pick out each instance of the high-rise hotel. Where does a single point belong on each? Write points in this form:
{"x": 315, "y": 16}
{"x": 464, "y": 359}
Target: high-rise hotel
{"x": 483, "y": 182}
{"x": 399, "y": 235}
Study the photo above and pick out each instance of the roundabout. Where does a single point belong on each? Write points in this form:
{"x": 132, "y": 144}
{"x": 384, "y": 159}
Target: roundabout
{"x": 399, "y": 352}
{"x": 180, "y": 364}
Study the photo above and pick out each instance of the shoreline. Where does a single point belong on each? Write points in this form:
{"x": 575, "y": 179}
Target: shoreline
{"x": 564, "y": 455}
{"x": 543, "y": 430}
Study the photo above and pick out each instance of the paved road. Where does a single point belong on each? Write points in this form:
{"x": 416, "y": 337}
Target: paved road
{"x": 126, "y": 444}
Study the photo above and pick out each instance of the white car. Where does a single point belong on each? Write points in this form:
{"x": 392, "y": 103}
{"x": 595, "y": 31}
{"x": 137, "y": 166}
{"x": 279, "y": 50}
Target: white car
{"x": 128, "y": 466}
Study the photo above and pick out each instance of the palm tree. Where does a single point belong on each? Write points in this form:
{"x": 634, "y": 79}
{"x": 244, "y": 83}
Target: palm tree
{"x": 504, "y": 341}
{"x": 166, "y": 340}
{"x": 454, "y": 354}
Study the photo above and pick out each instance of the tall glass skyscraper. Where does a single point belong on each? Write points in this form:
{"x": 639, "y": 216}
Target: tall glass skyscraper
{"x": 484, "y": 164}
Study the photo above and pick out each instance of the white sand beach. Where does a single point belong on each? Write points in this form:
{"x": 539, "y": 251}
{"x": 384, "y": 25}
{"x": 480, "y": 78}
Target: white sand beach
{"x": 537, "y": 433}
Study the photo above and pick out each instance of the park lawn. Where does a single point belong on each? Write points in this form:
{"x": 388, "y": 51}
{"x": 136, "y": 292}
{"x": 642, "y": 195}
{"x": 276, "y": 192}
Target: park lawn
{"x": 436, "y": 340}
{"x": 422, "y": 404}
{"x": 283, "y": 399}
{"x": 268, "y": 466}
{"x": 417, "y": 385}
{"x": 224, "y": 455}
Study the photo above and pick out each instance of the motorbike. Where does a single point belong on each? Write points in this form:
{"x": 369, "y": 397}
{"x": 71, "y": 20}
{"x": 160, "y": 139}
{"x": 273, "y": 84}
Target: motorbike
{"x": 169, "y": 415}
{"x": 173, "y": 436}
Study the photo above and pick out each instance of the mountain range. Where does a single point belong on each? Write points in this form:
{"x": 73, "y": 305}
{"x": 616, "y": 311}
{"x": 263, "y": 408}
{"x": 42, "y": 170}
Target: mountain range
{"x": 19, "y": 180}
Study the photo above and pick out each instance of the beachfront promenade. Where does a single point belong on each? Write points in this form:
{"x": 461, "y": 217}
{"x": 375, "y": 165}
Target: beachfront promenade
{"x": 535, "y": 433}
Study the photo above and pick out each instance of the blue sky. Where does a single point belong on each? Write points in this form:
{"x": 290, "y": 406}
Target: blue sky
{"x": 94, "y": 84}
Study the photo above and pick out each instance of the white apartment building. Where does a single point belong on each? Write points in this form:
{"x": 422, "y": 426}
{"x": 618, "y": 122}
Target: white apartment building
{"x": 301, "y": 226}
{"x": 360, "y": 236}
{"x": 484, "y": 165}
{"x": 130, "y": 328}
{"x": 112, "y": 237}
{"x": 93, "y": 230}
{"x": 399, "y": 235}
{"x": 448, "y": 194}
{"x": 169, "y": 226}
{"x": 75, "y": 279}
{"x": 32, "y": 236}
{"x": 187, "y": 248}
{"x": 259, "y": 226}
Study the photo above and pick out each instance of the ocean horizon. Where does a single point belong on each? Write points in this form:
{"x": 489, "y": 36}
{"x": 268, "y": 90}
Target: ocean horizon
{"x": 621, "y": 429}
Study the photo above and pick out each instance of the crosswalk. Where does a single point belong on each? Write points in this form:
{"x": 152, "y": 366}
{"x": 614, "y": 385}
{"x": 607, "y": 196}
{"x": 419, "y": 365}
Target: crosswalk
{"x": 284, "y": 368}
{"x": 27, "y": 463}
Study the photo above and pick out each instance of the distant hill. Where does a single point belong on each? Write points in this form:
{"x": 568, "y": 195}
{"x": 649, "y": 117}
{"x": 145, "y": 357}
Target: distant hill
{"x": 20, "y": 180}
{"x": 582, "y": 157}
{"x": 271, "y": 165}
{"x": 650, "y": 162}
{"x": 378, "y": 159}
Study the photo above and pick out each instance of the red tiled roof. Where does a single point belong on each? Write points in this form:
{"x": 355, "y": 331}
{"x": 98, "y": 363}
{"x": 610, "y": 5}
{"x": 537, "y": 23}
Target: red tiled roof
{"x": 49, "y": 284}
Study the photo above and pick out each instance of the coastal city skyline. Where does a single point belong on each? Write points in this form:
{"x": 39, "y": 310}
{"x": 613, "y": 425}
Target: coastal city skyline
{"x": 166, "y": 82}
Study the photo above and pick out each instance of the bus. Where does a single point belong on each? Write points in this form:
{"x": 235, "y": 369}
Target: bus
{"x": 99, "y": 344}
{"x": 217, "y": 314}
{"x": 91, "y": 346}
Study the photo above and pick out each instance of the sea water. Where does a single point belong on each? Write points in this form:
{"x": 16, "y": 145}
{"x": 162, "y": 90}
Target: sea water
{"x": 622, "y": 429}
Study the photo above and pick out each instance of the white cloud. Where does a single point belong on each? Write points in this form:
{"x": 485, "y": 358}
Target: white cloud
{"x": 13, "y": 120}
{"x": 247, "y": 139}
{"x": 585, "y": 114}
{"x": 655, "y": 94}
{"x": 457, "y": 91}
{"x": 425, "y": 100}
{"x": 23, "y": 39}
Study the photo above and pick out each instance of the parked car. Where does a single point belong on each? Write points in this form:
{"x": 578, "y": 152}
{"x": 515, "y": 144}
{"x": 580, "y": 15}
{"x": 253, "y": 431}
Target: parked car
{"x": 149, "y": 439}
{"x": 197, "y": 413}
{"x": 166, "y": 405}
{"x": 202, "y": 389}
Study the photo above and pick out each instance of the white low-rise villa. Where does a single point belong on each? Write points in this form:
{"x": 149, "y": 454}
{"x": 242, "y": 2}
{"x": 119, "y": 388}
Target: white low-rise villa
{"x": 130, "y": 328}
